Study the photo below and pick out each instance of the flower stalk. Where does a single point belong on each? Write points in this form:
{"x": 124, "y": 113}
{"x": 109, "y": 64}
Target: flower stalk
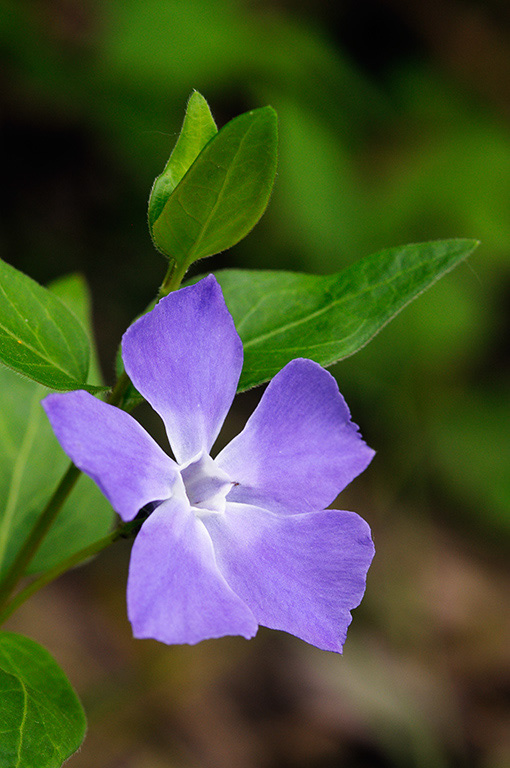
{"x": 38, "y": 532}
{"x": 173, "y": 279}
{"x": 123, "y": 531}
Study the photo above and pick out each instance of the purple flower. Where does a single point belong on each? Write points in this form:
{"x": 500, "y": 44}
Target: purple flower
{"x": 242, "y": 539}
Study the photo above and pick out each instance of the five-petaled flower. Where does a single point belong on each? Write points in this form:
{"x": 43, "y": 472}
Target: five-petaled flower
{"x": 243, "y": 539}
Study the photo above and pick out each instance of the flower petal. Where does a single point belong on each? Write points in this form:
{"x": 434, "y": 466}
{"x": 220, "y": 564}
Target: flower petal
{"x": 298, "y": 573}
{"x": 176, "y": 594}
{"x": 185, "y": 357}
{"x": 299, "y": 448}
{"x": 113, "y": 449}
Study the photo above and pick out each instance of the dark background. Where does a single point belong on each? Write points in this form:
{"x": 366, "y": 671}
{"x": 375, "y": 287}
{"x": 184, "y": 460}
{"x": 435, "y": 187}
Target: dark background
{"x": 394, "y": 121}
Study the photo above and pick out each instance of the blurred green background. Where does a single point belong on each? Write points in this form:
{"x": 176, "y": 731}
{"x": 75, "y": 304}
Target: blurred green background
{"x": 394, "y": 121}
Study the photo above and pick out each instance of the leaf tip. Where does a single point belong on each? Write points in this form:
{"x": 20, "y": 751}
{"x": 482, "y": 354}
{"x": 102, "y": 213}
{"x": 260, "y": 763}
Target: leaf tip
{"x": 196, "y": 97}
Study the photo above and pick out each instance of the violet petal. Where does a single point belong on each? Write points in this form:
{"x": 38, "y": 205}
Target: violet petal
{"x": 176, "y": 593}
{"x": 302, "y": 574}
{"x": 113, "y": 449}
{"x": 185, "y": 357}
{"x": 299, "y": 448}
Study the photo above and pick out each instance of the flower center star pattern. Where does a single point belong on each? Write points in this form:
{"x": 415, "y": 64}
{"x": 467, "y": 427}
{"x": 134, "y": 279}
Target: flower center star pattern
{"x": 243, "y": 539}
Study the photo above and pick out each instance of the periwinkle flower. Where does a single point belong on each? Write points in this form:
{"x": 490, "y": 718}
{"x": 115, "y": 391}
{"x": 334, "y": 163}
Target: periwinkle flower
{"x": 243, "y": 539}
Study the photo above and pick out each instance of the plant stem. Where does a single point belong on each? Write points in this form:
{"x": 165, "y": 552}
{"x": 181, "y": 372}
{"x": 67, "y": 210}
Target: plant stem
{"x": 38, "y": 532}
{"x": 45, "y": 520}
{"x": 123, "y": 531}
{"x": 117, "y": 393}
{"x": 172, "y": 279}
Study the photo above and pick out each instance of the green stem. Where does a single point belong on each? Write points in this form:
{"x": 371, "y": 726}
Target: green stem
{"x": 38, "y": 532}
{"x": 47, "y": 517}
{"x": 123, "y": 531}
{"x": 117, "y": 393}
{"x": 172, "y": 279}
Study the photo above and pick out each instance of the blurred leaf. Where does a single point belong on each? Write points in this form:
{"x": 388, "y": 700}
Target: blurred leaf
{"x": 39, "y": 337}
{"x": 198, "y": 128}
{"x": 33, "y": 463}
{"x": 283, "y": 315}
{"x": 42, "y": 721}
{"x": 74, "y": 292}
{"x": 323, "y": 220}
{"x": 470, "y": 447}
{"x": 224, "y": 193}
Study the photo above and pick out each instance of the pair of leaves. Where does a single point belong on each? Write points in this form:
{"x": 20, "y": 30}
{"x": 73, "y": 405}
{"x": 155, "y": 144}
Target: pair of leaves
{"x": 39, "y": 336}
{"x": 216, "y": 185}
{"x": 42, "y": 722}
{"x": 33, "y": 462}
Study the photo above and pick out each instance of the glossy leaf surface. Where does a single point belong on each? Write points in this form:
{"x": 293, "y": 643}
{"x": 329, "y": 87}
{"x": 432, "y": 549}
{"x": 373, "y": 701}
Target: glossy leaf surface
{"x": 39, "y": 337}
{"x": 224, "y": 193}
{"x": 284, "y": 315}
{"x": 42, "y": 722}
{"x": 33, "y": 463}
{"x": 198, "y": 128}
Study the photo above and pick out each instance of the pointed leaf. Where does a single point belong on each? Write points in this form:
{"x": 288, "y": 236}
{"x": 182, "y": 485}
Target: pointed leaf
{"x": 198, "y": 128}
{"x": 39, "y": 337}
{"x": 33, "y": 463}
{"x": 42, "y": 722}
{"x": 224, "y": 193}
{"x": 283, "y": 315}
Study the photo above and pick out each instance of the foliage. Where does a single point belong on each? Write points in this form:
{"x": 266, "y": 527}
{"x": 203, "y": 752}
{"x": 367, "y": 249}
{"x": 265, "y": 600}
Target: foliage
{"x": 364, "y": 162}
{"x": 41, "y": 719}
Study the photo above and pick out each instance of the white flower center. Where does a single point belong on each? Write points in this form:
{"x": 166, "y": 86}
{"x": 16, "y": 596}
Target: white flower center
{"x": 206, "y": 485}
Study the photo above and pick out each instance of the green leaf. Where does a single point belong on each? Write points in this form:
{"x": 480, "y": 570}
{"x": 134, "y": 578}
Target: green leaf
{"x": 42, "y": 721}
{"x": 39, "y": 337}
{"x": 224, "y": 193}
{"x": 33, "y": 463}
{"x": 74, "y": 292}
{"x": 198, "y": 128}
{"x": 284, "y": 315}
